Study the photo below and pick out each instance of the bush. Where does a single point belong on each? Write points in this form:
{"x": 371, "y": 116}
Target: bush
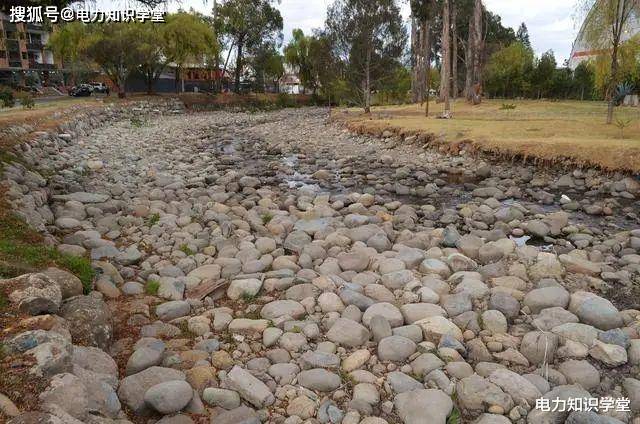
{"x": 507, "y": 106}
{"x": 26, "y": 100}
{"x": 285, "y": 100}
{"x": 7, "y": 98}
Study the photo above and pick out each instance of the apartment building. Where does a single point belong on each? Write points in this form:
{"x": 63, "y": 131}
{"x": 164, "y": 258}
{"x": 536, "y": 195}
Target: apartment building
{"x": 23, "y": 51}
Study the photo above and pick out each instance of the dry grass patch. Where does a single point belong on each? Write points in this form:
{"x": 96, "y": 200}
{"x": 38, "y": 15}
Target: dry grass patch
{"x": 568, "y": 131}
{"x": 44, "y": 112}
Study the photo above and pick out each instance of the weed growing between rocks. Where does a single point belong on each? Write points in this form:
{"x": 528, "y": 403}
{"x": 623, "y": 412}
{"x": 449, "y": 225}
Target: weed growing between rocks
{"x": 152, "y": 287}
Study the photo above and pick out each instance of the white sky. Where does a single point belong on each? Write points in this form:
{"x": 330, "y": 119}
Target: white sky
{"x": 553, "y": 24}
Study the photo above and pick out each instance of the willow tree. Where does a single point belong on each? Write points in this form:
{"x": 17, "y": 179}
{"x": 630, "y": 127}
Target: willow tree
{"x": 69, "y": 43}
{"x": 606, "y": 23}
{"x": 305, "y": 53}
{"x": 187, "y": 37}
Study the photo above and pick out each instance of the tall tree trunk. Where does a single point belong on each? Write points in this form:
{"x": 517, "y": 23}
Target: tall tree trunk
{"x": 238, "y": 67}
{"x": 454, "y": 52}
{"x": 477, "y": 52}
{"x": 612, "y": 83}
{"x": 150, "y": 80}
{"x": 414, "y": 60}
{"x": 217, "y": 82}
{"x": 468, "y": 63}
{"x": 616, "y": 29}
{"x": 424, "y": 29}
{"x": 427, "y": 63}
{"x": 367, "y": 82}
{"x": 445, "y": 73}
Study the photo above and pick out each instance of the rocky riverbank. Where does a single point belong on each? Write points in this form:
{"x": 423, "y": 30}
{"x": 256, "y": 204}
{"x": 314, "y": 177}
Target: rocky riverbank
{"x": 273, "y": 267}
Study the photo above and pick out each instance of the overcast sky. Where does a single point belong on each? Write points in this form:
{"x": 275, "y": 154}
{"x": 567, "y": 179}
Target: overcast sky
{"x": 552, "y": 23}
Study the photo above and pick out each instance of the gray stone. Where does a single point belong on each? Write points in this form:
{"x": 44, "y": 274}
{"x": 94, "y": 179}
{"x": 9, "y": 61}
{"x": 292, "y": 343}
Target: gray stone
{"x": 580, "y": 372}
{"x": 348, "y": 333}
{"x": 169, "y": 396}
{"x": 133, "y": 388}
{"x": 390, "y": 312}
{"x": 250, "y": 388}
{"x": 89, "y": 321}
{"x": 395, "y": 348}
{"x": 411, "y": 406}
{"x": 280, "y": 308}
{"x": 546, "y": 297}
{"x": 319, "y": 379}
{"x": 227, "y": 399}
{"x": 539, "y": 347}
{"x": 596, "y": 311}
{"x": 168, "y": 311}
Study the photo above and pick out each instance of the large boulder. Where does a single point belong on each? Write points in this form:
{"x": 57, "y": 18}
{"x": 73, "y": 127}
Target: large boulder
{"x": 347, "y": 332}
{"x": 562, "y": 393}
{"x": 34, "y": 294}
{"x": 595, "y": 310}
{"x": 133, "y": 388}
{"x": 412, "y": 405}
{"x": 520, "y": 389}
{"x": 475, "y": 392}
{"x": 90, "y": 321}
{"x": 69, "y": 284}
{"x": 539, "y": 347}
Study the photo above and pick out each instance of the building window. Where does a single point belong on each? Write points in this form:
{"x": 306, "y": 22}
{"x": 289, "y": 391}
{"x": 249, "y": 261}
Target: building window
{"x": 24, "y": 56}
{"x": 3, "y": 54}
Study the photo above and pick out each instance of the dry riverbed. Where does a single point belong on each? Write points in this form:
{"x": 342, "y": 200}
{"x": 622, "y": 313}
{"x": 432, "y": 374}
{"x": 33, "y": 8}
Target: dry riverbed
{"x": 274, "y": 267}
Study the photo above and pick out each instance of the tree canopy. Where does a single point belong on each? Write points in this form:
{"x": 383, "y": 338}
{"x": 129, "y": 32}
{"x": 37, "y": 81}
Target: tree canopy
{"x": 119, "y": 48}
{"x": 369, "y": 37}
{"x": 248, "y": 24}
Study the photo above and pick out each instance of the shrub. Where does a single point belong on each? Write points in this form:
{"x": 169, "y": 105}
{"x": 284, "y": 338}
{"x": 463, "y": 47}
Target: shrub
{"x": 7, "y": 99}
{"x": 26, "y": 100}
{"x": 285, "y": 100}
{"x": 622, "y": 124}
{"x": 507, "y": 106}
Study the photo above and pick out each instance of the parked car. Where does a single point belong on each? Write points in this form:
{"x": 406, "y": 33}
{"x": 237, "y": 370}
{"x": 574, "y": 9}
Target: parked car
{"x": 82, "y": 90}
{"x": 99, "y": 87}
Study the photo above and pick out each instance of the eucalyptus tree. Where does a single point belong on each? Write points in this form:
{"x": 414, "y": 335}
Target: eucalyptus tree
{"x": 369, "y": 37}
{"x": 248, "y": 24}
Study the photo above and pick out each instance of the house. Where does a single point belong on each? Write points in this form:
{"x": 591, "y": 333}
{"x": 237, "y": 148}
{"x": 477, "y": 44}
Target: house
{"x": 290, "y": 84}
{"x": 196, "y": 78}
{"x": 23, "y": 53}
{"x": 582, "y": 47}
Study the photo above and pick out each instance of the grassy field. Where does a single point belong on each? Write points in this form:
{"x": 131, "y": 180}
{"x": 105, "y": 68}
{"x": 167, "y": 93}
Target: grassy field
{"x": 553, "y": 132}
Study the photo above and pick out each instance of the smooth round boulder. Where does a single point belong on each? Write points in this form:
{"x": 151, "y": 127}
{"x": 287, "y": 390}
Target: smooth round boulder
{"x": 169, "y": 397}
